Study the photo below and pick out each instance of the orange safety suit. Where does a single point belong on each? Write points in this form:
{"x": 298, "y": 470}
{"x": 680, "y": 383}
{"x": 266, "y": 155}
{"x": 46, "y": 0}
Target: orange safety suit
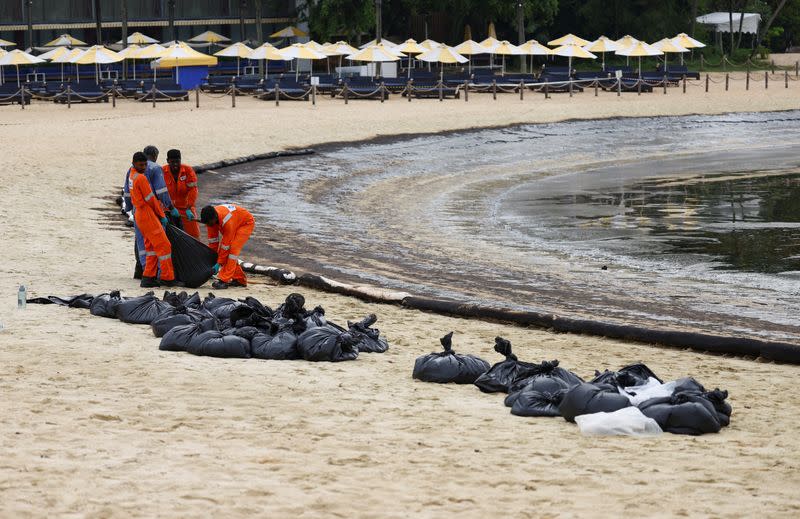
{"x": 228, "y": 237}
{"x": 183, "y": 192}
{"x": 147, "y": 212}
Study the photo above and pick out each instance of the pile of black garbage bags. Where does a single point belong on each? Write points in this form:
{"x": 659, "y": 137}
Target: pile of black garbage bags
{"x": 631, "y": 400}
{"x": 223, "y": 327}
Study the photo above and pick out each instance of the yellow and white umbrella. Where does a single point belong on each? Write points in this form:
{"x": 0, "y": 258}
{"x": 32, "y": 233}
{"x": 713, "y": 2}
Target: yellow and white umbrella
{"x": 490, "y": 43}
{"x": 181, "y": 55}
{"x": 311, "y": 44}
{"x": 639, "y": 50}
{"x": 429, "y": 44}
{"x": 54, "y": 53}
{"x": 625, "y": 42}
{"x": 534, "y": 48}
{"x": 65, "y": 40}
{"x": 152, "y": 51}
{"x": 96, "y": 55}
{"x": 130, "y": 53}
{"x": 138, "y": 38}
{"x": 17, "y": 57}
{"x": 444, "y": 55}
{"x": 469, "y": 48}
{"x": 210, "y": 37}
{"x": 384, "y": 41}
{"x": 268, "y": 52}
{"x": 504, "y": 48}
{"x": 376, "y": 54}
{"x": 3, "y": 53}
{"x": 572, "y": 50}
{"x": 668, "y": 46}
{"x": 410, "y": 47}
{"x": 300, "y": 51}
{"x": 568, "y": 39}
{"x": 340, "y": 48}
{"x": 6, "y": 43}
{"x": 602, "y": 45}
{"x": 237, "y": 50}
{"x": 289, "y": 32}
{"x": 687, "y": 42}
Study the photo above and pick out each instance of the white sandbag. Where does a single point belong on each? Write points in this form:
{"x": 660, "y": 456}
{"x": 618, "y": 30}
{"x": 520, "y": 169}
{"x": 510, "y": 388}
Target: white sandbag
{"x": 628, "y": 421}
{"x": 653, "y": 389}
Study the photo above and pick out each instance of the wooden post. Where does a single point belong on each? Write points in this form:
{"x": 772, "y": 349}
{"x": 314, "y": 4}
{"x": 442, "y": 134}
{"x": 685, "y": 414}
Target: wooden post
{"x": 665, "y": 85}
{"x": 727, "y": 79}
{"x": 197, "y": 97}
{"x": 69, "y": 96}
{"x": 772, "y": 65}
{"x": 466, "y": 90}
{"x": 570, "y": 87}
{"x": 684, "y": 83}
{"x": 546, "y": 89}
{"x": 747, "y": 81}
{"x": 233, "y": 95}
{"x": 22, "y": 96}
{"x": 314, "y": 95}
{"x": 786, "y": 79}
{"x": 383, "y": 94}
{"x": 595, "y": 87}
{"x": 521, "y": 89}
{"x": 706, "y": 82}
{"x": 766, "y": 80}
{"x": 639, "y": 87}
{"x": 114, "y": 94}
{"x": 346, "y": 89}
{"x": 494, "y": 89}
{"x": 277, "y": 94}
{"x": 797, "y": 69}
{"x": 441, "y": 91}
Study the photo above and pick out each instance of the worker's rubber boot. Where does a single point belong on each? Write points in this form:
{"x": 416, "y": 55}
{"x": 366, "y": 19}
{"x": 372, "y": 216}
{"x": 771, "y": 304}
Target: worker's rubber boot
{"x": 148, "y": 282}
{"x": 137, "y": 271}
{"x": 219, "y": 285}
{"x": 172, "y": 283}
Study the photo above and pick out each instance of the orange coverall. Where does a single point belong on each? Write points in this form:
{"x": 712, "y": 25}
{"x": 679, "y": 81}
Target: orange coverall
{"x": 183, "y": 192}
{"x": 228, "y": 237}
{"x": 147, "y": 212}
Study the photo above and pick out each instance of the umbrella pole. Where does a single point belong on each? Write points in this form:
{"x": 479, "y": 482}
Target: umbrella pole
{"x": 78, "y": 72}
{"x": 17, "y": 76}
{"x": 62, "y": 72}
{"x": 237, "y": 65}
{"x": 640, "y": 67}
{"x": 297, "y": 70}
{"x": 604, "y": 61}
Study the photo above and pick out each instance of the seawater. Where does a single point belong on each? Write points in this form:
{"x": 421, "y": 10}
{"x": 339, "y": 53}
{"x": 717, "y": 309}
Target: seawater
{"x": 681, "y": 222}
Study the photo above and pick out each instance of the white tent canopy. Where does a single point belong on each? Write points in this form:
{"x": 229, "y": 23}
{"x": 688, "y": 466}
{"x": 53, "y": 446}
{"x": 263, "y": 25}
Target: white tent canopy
{"x": 722, "y": 21}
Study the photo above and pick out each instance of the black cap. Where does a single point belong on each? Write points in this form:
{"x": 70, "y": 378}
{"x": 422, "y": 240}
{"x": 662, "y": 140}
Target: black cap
{"x": 174, "y": 154}
{"x": 139, "y": 157}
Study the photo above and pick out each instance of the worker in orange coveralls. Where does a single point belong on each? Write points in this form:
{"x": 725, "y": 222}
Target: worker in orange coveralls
{"x": 151, "y": 220}
{"x": 181, "y": 182}
{"x": 229, "y": 227}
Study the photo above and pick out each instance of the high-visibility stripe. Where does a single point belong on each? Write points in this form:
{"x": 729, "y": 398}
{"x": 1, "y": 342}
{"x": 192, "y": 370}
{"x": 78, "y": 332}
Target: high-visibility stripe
{"x": 150, "y": 253}
{"x": 226, "y": 247}
{"x": 161, "y": 191}
{"x": 227, "y": 217}
{"x": 164, "y": 258}
{"x": 191, "y": 184}
{"x": 148, "y": 197}
{"x": 233, "y": 257}
{"x": 213, "y": 240}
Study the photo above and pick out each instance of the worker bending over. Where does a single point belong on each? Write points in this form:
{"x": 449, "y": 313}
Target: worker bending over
{"x": 181, "y": 182}
{"x": 151, "y": 221}
{"x": 229, "y": 227}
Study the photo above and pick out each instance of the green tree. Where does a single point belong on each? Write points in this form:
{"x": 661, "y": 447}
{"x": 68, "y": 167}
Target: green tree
{"x": 330, "y": 18}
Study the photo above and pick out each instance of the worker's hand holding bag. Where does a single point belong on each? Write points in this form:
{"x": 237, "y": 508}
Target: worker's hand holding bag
{"x": 189, "y": 215}
{"x": 215, "y": 269}
{"x": 164, "y": 221}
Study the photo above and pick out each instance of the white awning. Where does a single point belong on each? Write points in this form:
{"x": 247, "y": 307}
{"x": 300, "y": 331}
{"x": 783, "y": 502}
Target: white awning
{"x": 722, "y": 21}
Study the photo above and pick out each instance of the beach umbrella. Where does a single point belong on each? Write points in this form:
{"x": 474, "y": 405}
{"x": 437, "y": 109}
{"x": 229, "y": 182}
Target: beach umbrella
{"x": 181, "y": 55}
{"x": 602, "y": 45}
{"x": 668, "y": 47}
{"x": 490, "y": 43}
{"x": 625, "y": 42}
{"x": 687, "y": 42}
{"x": 410, "y": 47}
{"x": 96, "y": 55}
{"x": 54, "y": 53}
{"x": 504, "y": 48}
{"x": 340, "y": 48}
{"x": 67, "y": 58}
{"x": 210, "y": 37}
{"x": 375, "y": 54}
{"x": 65, "y": 40}
{"x": 429, "y": 44}
{"x": 568, "y": 39}
{"x": 534, "y": 48}
{"x": 444, "y": 55}
{"x": 468, "y": 48}
{"x": 268, "y": 53}
{"x": 573, "y": 51}
{"x": 17, "y": 57}
{"x": 638, "y": 50}
{"x": 289, "y": 32}
{"x": 6, "y": 43}
{"x": 384, "y": 41}
{"x": 238, "y": 51}
{"x": 151, "y": 52}
{"x": 130, "y": 52}
{"x": 300, "y": 51}
{"x": 138, "y": 38}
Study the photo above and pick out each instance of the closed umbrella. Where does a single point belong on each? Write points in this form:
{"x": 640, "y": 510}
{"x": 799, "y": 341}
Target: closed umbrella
{"x": 65, "y": 40}
{"x": 638, "y": 50}
{"x": 668, "y": 47}
{"x": 238, "y": 51}
{"x": 138, "y": 38}
{"x": 573, "y": 51}
{"x": 17, "y": 57}
{"x": 568, "y": 39}
{"x": 469, "y": 48}
{"x": 602, "y": 45}
{"x": 444, "y": 55}
{"x": 268, "y": 53}
{"x": 410, "y": 47}
{"x": 299, "y": 51}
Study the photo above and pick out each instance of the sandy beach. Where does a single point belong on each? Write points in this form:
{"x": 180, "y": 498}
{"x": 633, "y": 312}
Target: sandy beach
{"x": 97, "y": 422}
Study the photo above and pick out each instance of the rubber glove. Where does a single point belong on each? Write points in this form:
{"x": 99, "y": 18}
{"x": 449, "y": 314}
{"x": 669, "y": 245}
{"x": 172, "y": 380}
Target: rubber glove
{"x": 215, "y": 269}
{"x": 175, "y": 213}
{"x": 189, "y": 215}
{"x": 164, "y": 222}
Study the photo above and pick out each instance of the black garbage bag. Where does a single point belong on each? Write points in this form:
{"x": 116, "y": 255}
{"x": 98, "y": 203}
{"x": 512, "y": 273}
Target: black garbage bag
{"x": 182, "y": 299}
{"x": 143, "y": 309}
{"x": 589, "y": 398}
{"x": 448, "y": 366}
{"x": 329, "y": 344}
{"x": 177, "y": 317}
{"x": 245, "y": 332}
{"x": 371, "y": 341}
{"x": 688, "y": 384}
{"x": 539, "y": 403}
{"x": 179, "y": 337}
{"x": 192, "y": 259}
{"x": 293, "y": 308}
{"x": 631, "y": 375}
{"x": 315, "y": 318}
{"x": 502, "y": 375}
{"x": 215, "y": 344}
{"x": 280, "y": 346}
{"x": 221, "y": 307}
{"x": 683, "y": 413}
{"x": 544, "y": 383}
{"x": 251, "y": 313}
{"x": 82, "y": 301}
{"x": 723, "y": 408}
{"x": 105, "y": 305}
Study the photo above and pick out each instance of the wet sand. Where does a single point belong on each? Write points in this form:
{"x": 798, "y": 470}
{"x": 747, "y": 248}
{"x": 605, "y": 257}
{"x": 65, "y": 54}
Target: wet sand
{"x": 97, "y": 422}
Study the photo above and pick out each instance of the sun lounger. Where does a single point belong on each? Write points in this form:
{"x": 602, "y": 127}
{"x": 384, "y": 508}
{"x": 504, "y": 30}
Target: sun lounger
{"x": 288, "y": 90}
{"x": 86, "y": 92}
{"x": 165, "y": 90}
{"x": 216, "y": 84}
{"x": 10, "y": 94}
{"x": 430, "y": 89}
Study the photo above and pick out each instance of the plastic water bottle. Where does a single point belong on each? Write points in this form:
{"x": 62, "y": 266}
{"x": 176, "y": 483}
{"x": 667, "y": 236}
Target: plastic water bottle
{"x": 22, "y": 297}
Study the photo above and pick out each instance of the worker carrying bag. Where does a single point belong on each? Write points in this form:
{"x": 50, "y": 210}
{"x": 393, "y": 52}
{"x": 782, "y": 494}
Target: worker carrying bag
{"x": 191, "y": 258}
